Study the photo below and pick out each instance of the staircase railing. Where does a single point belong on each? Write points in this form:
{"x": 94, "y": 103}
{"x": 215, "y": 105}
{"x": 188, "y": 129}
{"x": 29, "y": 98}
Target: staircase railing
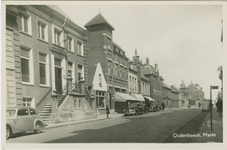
{"x": 77, "y": 87}
{"x": 43, "y": 100}
{"x": 62, "y": 94}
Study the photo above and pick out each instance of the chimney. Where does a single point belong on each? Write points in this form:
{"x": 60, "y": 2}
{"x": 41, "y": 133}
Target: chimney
{"x": 147, "y": 61}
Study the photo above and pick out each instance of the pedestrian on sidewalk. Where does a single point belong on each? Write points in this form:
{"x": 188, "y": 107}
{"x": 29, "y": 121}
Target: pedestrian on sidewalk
{"x": 163, "y": 106}
{"x": 107, "y": 111}
{"x": 219, "y": 104}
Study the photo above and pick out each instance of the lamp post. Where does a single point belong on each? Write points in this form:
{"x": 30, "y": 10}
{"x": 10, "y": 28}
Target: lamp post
{"x": 211, "y": 87}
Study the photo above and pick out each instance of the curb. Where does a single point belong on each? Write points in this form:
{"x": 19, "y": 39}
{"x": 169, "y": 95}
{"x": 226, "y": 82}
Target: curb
{"x": 76, "y": 122}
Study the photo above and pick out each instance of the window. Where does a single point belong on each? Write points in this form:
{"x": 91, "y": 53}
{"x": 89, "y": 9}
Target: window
{"x": 57, "y": 34}
{"x": 25, "y": 23}
{"x": 70, "y": 69}
{"x": 126, "y": 74}
{"x": 130, "y": 82}
{"x": 79, "y": 103}
{"x": 100, "y": 80}
{"x": 120, "y": 72}
{"x": 110, "y": 69}
{"x": 80, "y": 72}
{"x": 23, "y": 112}
{"x": 75, "y": 103}
{"x": 43, "y": 68}
{"x": 26, "y": 65}
{"x": 116, "y": 66}
{"x": 42, "y": 31}
{"x": 80, "y": 48}
{"x": 27, "y": 102}
{"x": 101, "y": 102}
{"x": 108, "y": 43}
{"x": 70, "y": 45}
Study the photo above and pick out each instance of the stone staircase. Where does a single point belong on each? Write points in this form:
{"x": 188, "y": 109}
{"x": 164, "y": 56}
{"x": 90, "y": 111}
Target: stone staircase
{"x": 46, "y": 111}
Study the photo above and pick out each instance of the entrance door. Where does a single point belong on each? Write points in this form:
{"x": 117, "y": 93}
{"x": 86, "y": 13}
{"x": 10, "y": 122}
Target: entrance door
{"x": 58, "y": 80}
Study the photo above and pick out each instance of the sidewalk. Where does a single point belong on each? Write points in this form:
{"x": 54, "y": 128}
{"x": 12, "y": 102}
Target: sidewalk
{"x": 99, "y": 117}
{"x": 215, "y": 135}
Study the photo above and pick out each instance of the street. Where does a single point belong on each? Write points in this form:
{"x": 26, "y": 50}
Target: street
{"x": 155, "y": 127}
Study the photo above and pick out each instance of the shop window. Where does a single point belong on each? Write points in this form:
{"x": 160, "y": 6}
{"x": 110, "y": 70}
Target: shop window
{"x": 101, "y": 103}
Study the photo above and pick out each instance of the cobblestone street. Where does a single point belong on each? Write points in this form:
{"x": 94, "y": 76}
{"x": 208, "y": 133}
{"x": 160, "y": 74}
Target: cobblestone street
{"x": 154, "y": 127}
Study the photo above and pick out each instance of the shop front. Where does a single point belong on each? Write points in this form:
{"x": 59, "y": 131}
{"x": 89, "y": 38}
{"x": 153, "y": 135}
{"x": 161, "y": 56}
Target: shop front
{"x": 122, "y": 101}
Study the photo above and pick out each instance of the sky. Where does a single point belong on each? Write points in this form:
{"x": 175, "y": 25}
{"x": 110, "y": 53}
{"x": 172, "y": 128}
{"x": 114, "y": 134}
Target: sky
{"x": 184, "y": 40}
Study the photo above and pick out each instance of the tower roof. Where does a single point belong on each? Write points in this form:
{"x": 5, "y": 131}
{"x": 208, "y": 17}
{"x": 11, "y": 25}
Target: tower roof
{"x": 98, "y": 19}
{"x": 182, "y": 85}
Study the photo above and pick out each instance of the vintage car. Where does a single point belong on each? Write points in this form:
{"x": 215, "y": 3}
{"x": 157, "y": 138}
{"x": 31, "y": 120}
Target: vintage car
{"x": 134, "y": 109}
{"x": 22, "y": 119}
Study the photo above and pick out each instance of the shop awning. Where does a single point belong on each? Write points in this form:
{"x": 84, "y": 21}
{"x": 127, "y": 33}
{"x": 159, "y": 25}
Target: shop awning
{"x": 138, "y": 97}
{"x": 121, "y": 97}
{"x": 149, "y": 98}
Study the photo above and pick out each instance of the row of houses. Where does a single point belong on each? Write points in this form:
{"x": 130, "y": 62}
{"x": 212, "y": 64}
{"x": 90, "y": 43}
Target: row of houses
{"x": 68, "y": 73}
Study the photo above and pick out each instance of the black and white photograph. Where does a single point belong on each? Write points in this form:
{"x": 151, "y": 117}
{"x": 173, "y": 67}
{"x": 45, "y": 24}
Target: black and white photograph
{"x": 112, "y": 73}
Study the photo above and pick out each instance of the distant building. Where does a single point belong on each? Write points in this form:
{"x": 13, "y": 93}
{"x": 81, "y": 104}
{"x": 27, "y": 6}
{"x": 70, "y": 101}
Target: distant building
{"x": 183, "y": 94}
{"x": 167, "y": 95}
{"x": 155, "y": 80}
{"x": 175, "y": 97}
{"x": 192, "y": 95}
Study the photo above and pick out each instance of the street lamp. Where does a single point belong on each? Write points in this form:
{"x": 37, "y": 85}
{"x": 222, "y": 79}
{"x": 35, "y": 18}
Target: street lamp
{"x": 211, "y": 87}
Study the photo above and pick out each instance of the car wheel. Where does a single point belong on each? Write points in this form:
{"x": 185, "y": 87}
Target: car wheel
{"x": 38, "y": 127}
{"x": 8, "y": 132}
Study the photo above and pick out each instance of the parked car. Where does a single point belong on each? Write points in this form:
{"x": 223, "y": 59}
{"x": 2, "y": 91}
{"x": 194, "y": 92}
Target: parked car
{"x": 134, "y": 109}
{"x": 129, "y": 111}
{"x": 22, "y": 119}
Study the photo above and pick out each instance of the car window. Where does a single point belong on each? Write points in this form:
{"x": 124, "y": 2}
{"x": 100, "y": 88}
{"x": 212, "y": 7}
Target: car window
{"x": 32, "y": 112}
{"x": 23, "y": 112}
{"x": 10, "y": 113}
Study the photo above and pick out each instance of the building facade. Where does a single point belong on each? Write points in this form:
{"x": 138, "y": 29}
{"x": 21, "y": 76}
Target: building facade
{"x": 49, "y": 55}
{"x": 175, "y": 97}
{"x": 112, "y": 58}
{"x": 167, "y": 96}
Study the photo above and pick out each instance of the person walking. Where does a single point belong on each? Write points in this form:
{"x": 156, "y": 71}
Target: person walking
{"x": 163, "y": 106}
{"x": 107, "y": 111}
{"x": 219, "y": 105}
